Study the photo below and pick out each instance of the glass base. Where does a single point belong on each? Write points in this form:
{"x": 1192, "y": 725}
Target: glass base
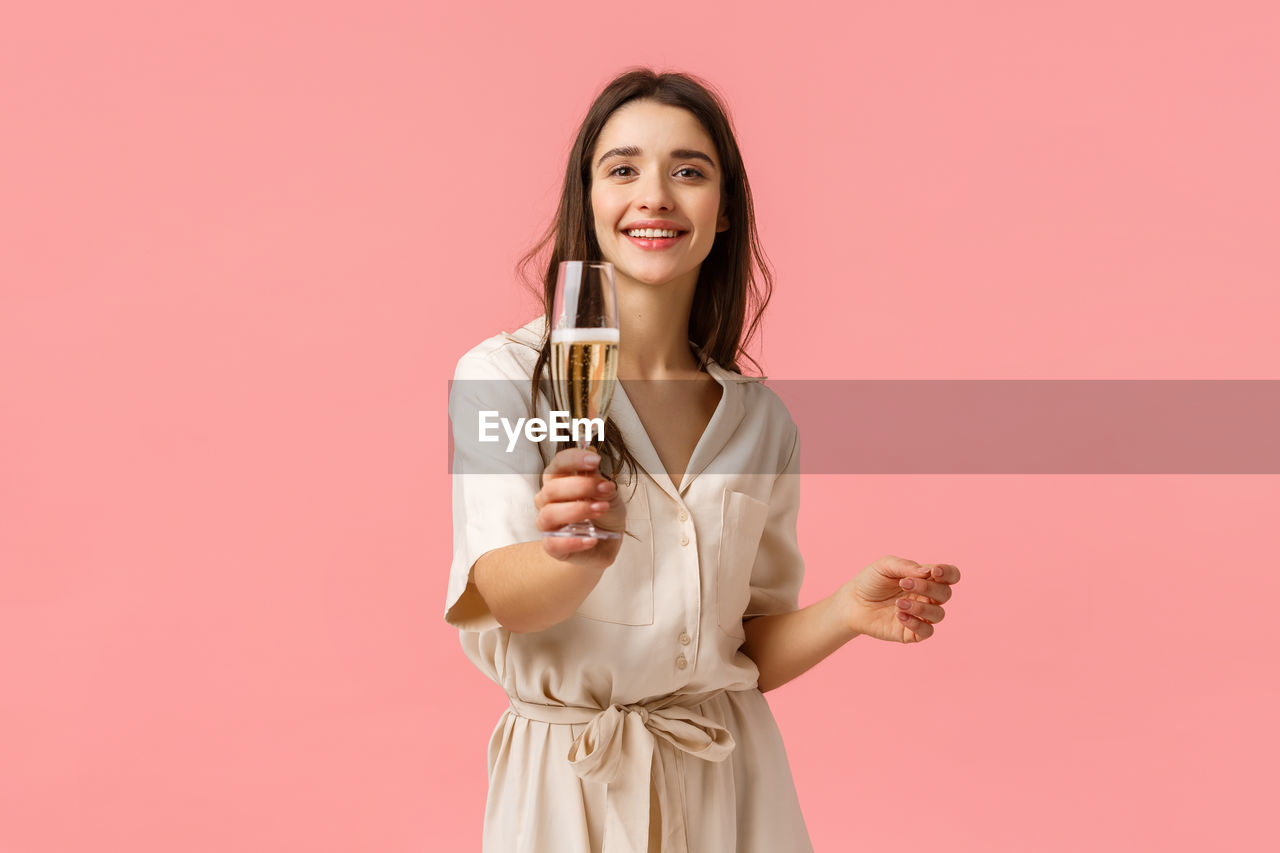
{"x": 583, "y": 529}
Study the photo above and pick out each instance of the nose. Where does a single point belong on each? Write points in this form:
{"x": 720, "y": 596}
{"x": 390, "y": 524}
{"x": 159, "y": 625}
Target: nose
{"x": 653, "y": 192}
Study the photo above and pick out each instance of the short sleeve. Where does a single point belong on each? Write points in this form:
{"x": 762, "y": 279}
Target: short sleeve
{"x": 494, "y": 482}
{"x": 779, "y": 568}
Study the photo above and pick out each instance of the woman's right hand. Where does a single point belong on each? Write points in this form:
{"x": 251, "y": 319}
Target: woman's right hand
{"x": 574, "y": 490}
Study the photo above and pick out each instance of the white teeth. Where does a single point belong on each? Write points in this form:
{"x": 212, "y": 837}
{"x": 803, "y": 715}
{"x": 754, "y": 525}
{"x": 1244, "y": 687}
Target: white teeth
{"x": 649, "y": 233}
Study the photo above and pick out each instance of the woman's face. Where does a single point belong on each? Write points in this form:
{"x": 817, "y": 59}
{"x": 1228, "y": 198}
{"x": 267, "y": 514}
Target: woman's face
{"x": 655, "y": 167}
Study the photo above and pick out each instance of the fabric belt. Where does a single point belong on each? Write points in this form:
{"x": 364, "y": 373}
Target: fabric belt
{"x": 630, "y": 747}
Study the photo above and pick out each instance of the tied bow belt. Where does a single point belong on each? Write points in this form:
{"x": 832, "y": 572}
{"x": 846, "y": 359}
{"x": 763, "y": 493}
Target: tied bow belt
{"x": 621, "y": 748}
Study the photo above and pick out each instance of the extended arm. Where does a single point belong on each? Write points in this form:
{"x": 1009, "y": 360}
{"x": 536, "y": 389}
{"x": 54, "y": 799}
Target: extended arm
{"x": 530, "y": 586}
{"x": 528, "y": 590}
{"x": 503, "y": 572}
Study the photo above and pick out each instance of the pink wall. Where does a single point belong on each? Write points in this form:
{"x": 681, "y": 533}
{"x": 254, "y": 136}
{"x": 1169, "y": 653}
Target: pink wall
{"x": 241, "y": 249}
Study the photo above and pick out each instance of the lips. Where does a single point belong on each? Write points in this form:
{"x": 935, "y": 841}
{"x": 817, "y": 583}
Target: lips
{"x": 653, "y": 234}
{"x": 655, "y": 242}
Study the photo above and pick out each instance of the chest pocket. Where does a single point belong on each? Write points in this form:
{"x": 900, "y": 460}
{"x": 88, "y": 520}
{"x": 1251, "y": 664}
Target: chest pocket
{"x": 624, "y": 594}
{"x": 742, "y": 523}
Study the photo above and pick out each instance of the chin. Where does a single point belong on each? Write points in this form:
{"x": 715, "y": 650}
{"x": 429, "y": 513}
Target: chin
{"x": 653, "y": 276}
{"x": 654, "y": 280}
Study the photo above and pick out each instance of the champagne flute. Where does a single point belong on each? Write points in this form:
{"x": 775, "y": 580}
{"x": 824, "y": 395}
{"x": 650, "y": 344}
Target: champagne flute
{"x": 584, "y": 359}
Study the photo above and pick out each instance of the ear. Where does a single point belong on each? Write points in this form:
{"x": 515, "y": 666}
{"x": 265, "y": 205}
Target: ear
{"x": 722, "y": 223}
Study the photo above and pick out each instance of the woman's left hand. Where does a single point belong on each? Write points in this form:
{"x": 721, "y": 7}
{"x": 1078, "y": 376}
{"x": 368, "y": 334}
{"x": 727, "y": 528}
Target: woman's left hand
{"x": 899, "y": 600}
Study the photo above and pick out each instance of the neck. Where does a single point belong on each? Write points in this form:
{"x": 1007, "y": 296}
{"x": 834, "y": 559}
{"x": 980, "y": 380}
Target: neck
{"x": 654, "y": 330}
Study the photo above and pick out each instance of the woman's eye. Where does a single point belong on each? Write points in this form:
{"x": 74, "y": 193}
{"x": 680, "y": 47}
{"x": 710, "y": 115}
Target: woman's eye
{"x": 621, "y": 171}
{"x": 689, "y": 172}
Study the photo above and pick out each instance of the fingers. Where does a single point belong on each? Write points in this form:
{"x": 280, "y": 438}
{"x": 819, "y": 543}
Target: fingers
{"x": 575, "y": 488}
{"x": 553, "y": 516}
{"x": 941, "y": 572}
{"x": 939, "y": 592}
{"x": 561, "y": 547}
{"x": 928, "y": 587}
{"x": 921, "y": 610}
{"x": 897, "y": 567}
{"x": 564, "y": 500}
{"x": 922, "y": 630}
{"x": 572, "y": 461}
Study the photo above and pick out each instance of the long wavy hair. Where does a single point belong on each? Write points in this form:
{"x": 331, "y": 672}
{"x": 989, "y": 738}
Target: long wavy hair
{"x": 734, "y": 282}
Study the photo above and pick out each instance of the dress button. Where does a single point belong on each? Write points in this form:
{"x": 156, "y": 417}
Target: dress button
{"x": 681, "y": 663}
{"x": 684, "y": 540}
{"x": 684, "y": 516}
{"x": 684, "y": 638}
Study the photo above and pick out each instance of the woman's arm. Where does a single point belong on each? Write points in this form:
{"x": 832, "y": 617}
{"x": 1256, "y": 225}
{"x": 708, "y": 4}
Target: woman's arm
{"x": 785, "y": 645}
{"x": 528, "y": 590}
{"x": 891, "y": 599}
{"x": 530, "y": 586}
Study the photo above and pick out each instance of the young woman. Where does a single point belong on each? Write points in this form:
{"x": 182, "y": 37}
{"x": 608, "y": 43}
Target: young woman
{"x": 634, "y": 666}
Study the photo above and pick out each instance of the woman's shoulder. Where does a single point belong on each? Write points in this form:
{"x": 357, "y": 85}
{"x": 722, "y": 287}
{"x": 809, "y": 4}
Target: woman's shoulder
{"x": 507, "y": 355}
{"x": 758, "y": 397}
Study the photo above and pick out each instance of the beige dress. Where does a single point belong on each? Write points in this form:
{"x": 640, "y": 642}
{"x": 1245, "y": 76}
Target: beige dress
{"x": 635, "y": 724}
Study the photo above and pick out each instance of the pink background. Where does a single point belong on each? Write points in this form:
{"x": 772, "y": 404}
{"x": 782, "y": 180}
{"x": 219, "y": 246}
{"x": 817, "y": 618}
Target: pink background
{"x": 241, "y": 249}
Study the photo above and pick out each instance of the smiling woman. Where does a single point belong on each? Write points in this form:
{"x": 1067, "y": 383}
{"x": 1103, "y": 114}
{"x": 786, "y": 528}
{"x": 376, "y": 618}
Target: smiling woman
{"x": 634, "y": 666}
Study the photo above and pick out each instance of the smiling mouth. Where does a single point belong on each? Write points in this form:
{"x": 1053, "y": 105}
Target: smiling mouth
{"x": 652, "y": 233}
{"x": 650, "y": 239}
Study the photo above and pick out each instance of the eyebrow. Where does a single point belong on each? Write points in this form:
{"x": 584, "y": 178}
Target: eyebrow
{"x": 678, "y": 154}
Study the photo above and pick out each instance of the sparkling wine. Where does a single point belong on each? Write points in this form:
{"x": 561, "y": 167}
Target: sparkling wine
{"x": 584, "y": 367}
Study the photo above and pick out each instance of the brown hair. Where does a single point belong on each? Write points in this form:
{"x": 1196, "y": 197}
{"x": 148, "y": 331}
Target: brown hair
{"x": 734, "y": 282}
